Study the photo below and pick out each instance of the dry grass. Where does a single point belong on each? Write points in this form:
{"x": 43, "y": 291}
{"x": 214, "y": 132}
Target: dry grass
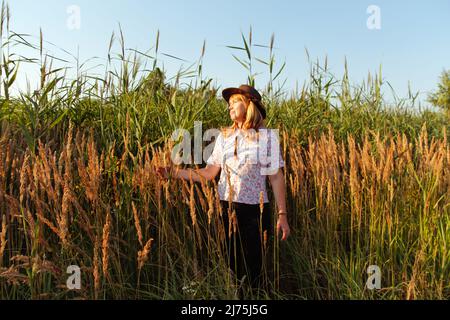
{"x": 379, "y": 201}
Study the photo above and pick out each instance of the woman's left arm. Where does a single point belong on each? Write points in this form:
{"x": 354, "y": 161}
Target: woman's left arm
{"x": 279, "y": 189}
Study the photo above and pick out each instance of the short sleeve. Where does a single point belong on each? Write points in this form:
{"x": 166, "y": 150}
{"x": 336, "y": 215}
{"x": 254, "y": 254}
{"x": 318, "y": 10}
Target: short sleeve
{"x": 216, "y": 155}
{"x": 273, "y": 159}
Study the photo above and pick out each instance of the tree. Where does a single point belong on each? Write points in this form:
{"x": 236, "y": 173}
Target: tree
{"x": 441, "y": 98}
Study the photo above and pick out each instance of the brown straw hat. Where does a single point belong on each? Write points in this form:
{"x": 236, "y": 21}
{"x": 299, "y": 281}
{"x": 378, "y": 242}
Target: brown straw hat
{"x": 249, "y": 92}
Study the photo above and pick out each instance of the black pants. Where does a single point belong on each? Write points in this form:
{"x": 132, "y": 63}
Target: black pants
{"x": 246, "y": 246}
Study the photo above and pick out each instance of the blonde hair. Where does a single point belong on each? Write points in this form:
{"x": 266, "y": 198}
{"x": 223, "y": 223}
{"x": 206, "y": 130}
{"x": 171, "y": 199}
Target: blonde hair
{"x": 253, "y": 117}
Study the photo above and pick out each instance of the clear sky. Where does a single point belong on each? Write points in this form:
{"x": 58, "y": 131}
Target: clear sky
{"x": 412, "y": 45}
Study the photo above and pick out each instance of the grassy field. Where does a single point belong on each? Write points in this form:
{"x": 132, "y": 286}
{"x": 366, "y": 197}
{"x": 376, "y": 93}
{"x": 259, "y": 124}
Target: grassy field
{"x": 368, "y": 183}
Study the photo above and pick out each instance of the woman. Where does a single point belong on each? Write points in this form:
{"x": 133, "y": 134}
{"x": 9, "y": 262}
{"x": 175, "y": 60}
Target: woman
{"x": 242, "y": 183}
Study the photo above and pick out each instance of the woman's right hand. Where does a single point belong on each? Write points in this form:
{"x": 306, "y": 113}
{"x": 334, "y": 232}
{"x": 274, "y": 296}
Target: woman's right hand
{"x": 163, "y": 172}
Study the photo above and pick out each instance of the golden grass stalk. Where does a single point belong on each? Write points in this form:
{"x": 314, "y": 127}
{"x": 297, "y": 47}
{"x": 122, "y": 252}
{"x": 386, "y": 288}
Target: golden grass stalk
{"x": 90, "y": 175}
{"x": 265, "y": 238}
{"x": 192, "y": 209}
{"x": 105, "y": 244}
{"x": 137, "y": 223}
{"x": 3, "y": 239}
{"x": 210, "y": 197}
{"x": 261, "y": 202}
{"x": 233, "y": 224}
{"x": 63, "y": 221}
{"x": 143, "y": 254}
{"x": 96, "y": 272}
{"x": 354, "y": 180}
{"x": 23, "y": 178}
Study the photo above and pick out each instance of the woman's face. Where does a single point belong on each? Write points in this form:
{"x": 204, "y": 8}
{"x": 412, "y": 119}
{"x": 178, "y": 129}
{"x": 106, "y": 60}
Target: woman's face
{"x": 237, "y": 109}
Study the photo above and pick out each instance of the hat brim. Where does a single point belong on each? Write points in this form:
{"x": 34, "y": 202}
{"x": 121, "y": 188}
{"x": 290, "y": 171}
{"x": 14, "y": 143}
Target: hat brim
{"x": 228, "y": 92}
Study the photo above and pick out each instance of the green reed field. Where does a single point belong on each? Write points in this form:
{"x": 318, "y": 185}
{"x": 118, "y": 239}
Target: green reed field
{"x": 368, "y": 182}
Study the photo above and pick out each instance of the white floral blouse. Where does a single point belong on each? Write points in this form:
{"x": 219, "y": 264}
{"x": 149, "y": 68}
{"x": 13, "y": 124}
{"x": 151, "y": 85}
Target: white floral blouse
{"x": 245, "y": 164}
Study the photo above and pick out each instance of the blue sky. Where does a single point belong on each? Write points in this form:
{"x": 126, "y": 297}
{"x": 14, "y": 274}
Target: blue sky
{"x": 413, "y": 44}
